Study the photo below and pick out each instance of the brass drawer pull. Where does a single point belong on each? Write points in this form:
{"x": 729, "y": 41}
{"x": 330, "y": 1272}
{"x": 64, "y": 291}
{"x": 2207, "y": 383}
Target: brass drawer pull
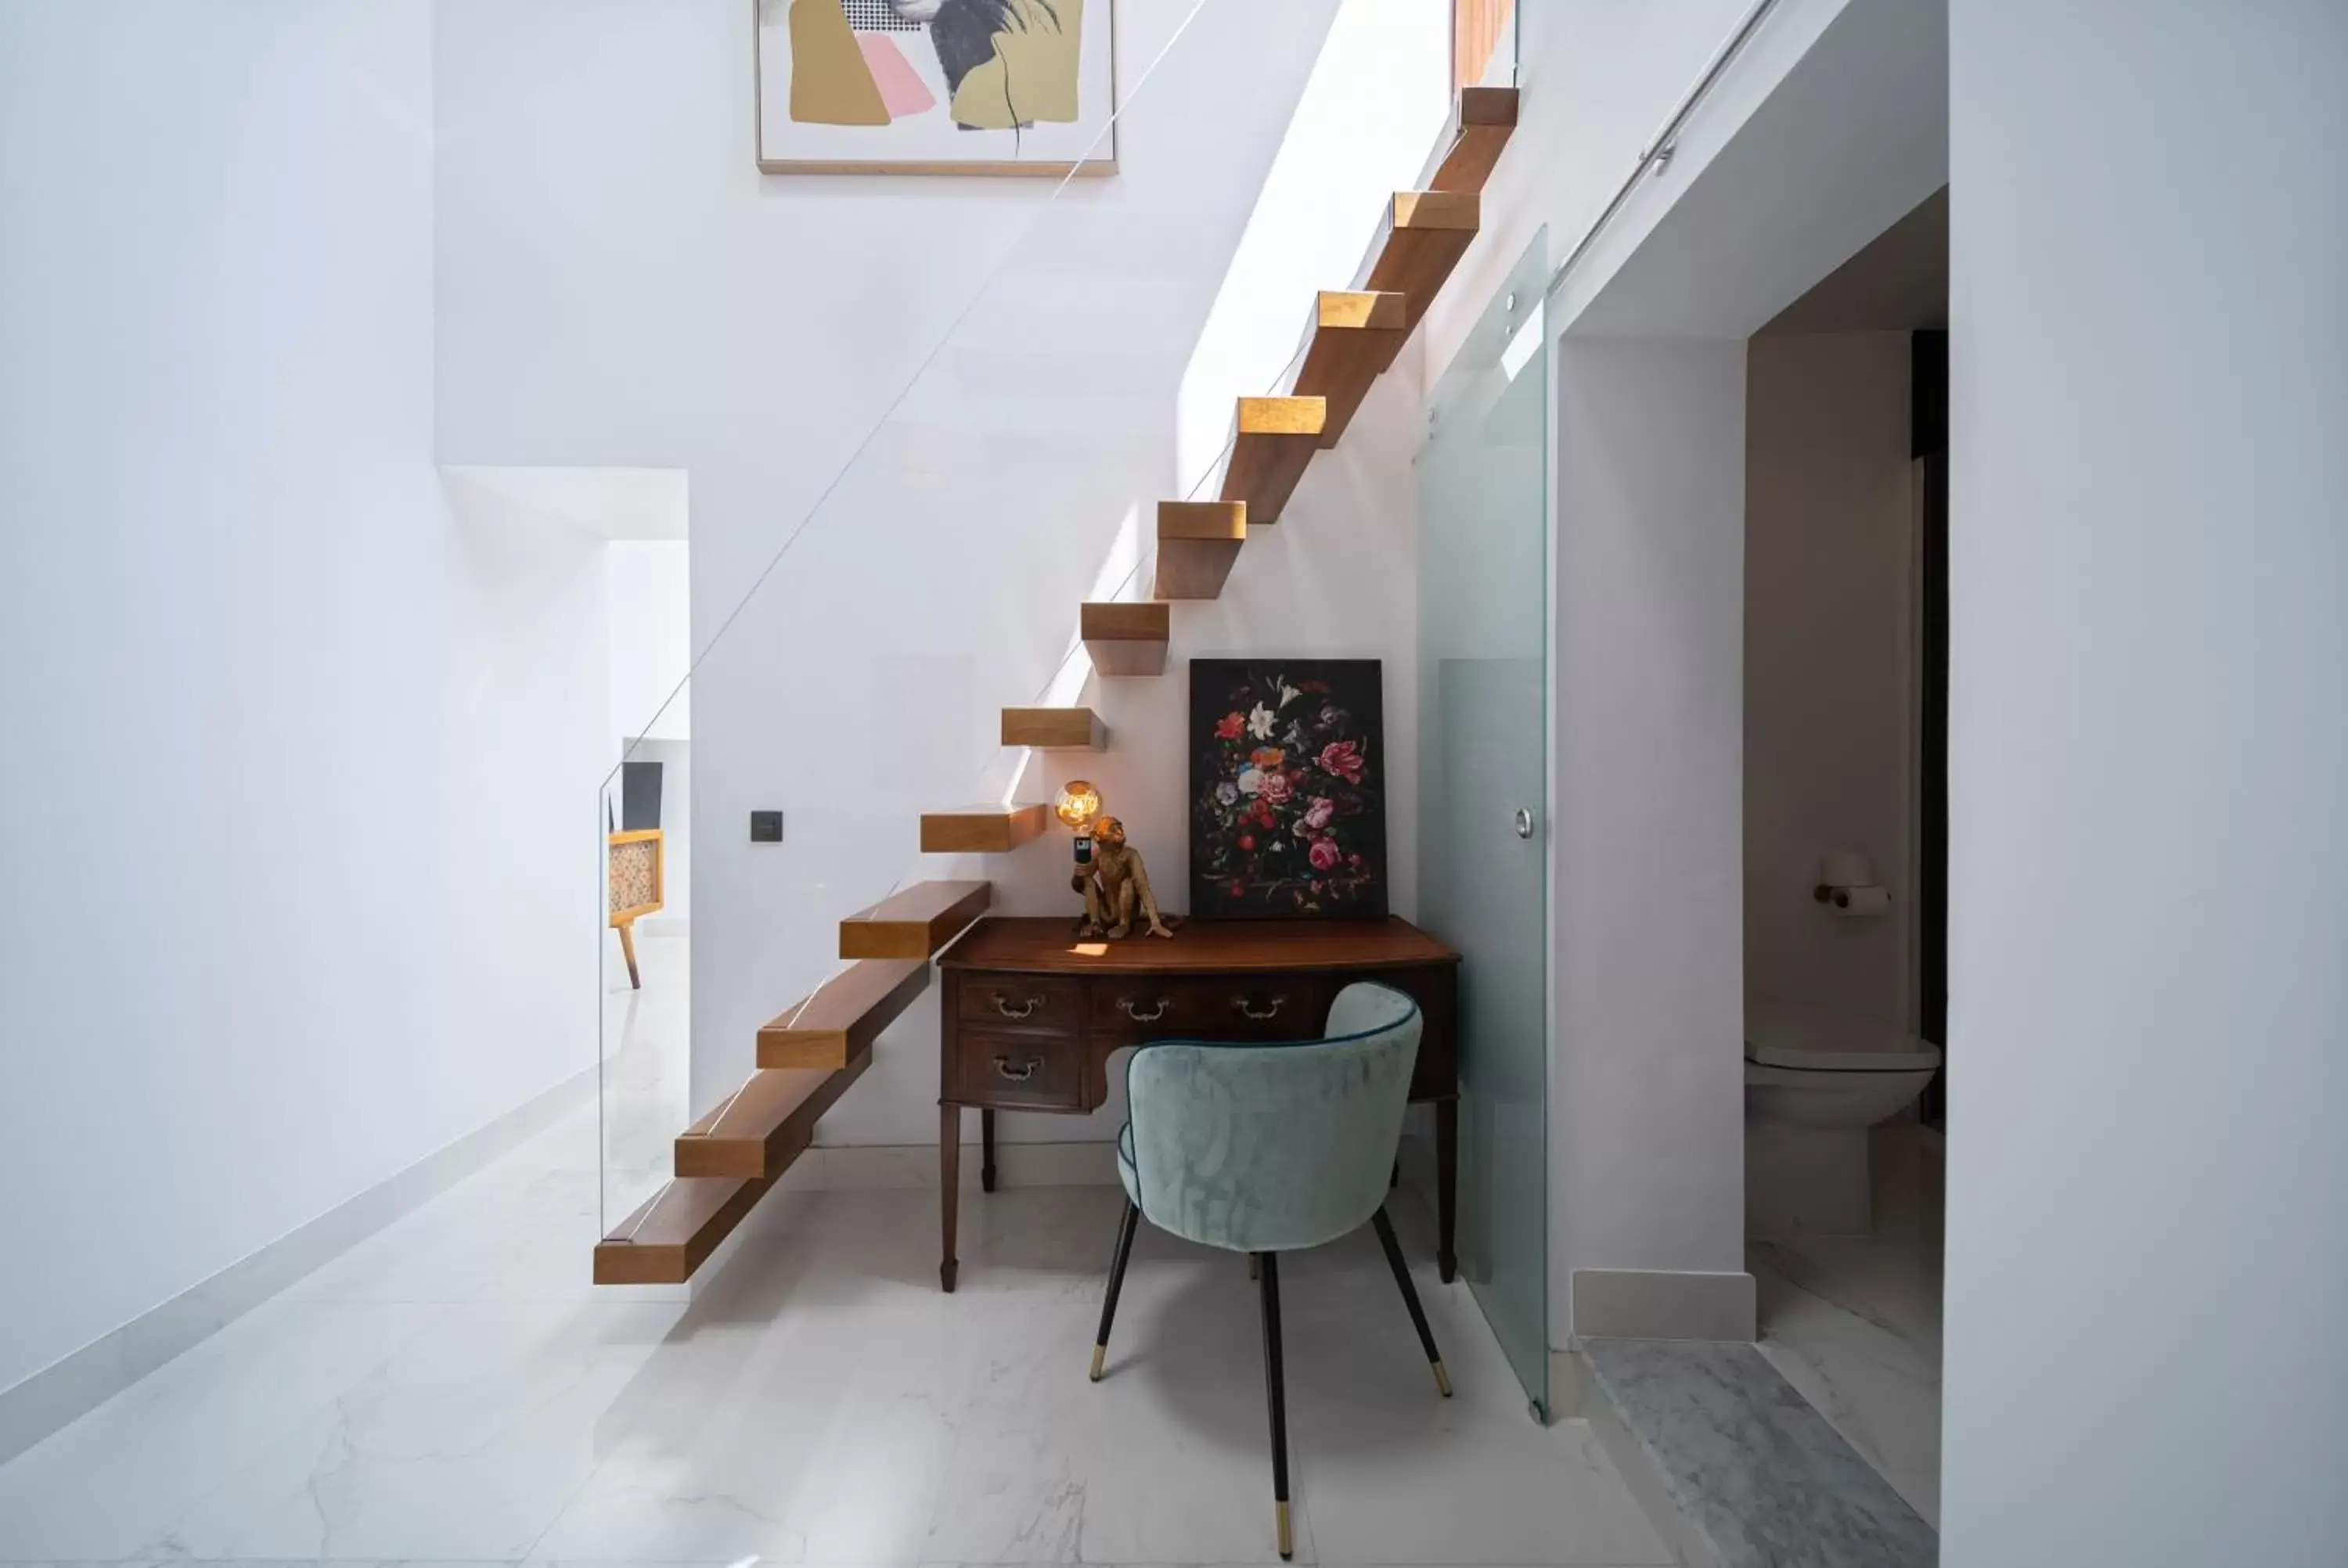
{"x": 1003, "y": 1005}
{"x": 1124, "y": 1005}
{"x": 1020, "y": 1074}
{"x": 1247, "y": 1009}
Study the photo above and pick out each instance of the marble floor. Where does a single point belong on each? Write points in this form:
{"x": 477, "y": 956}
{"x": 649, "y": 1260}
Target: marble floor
{"x": 644, "y": 1087}
{"x": 454, "y": 1389}
{"x": 1854, "y": 1323}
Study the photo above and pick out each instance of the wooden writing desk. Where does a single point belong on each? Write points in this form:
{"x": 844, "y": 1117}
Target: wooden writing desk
{"x": 1030, "y": 1015}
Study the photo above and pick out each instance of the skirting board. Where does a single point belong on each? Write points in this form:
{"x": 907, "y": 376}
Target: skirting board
{"x": 898, "y": 1166}
{"x": 1663, "y": 1304}
{"x": 70, "y": 1387}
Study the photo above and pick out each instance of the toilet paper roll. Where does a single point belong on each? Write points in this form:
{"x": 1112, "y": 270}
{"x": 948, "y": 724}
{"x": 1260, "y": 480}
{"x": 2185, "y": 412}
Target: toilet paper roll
{"x": 1866, "y": 900}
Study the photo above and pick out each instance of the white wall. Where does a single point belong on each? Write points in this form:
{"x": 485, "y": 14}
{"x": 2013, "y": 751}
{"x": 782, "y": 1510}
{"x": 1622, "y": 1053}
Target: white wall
{"x": 650, "y": 599}
{"x": 1647, "y": 1091}
{"x": 1598, "y": 78}
{"x": 287, "y": 912}
{"x": 596, "y": 167}
{"x": 1829, "y": 579}
{"x": 1378, "y": 99}
{"x": 2148, "y": 761}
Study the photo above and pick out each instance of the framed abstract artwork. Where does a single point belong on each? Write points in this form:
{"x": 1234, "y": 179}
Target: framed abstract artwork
{"x": 936, "y": 86}
{"x": 1288, "y": 788}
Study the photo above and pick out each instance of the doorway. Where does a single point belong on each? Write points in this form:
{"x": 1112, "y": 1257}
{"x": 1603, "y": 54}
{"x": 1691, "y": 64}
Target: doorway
{"x": 1846, "y": 841}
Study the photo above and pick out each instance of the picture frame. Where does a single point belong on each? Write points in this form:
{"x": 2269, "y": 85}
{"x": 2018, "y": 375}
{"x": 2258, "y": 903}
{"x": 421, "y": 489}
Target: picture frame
{"x": 1018, "y": 88}
{"x": 1288, "y": 789}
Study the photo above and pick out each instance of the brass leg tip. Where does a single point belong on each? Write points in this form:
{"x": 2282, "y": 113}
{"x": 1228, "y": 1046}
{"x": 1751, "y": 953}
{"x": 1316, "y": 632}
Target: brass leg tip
{"x": 1442, "y": 1378}
{"x": 1100, "y": 1354}
{"x": 1286, "y": 1547}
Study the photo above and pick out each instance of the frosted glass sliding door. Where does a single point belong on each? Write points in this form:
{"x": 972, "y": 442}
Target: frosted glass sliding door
{"x": 1483, "y": 487}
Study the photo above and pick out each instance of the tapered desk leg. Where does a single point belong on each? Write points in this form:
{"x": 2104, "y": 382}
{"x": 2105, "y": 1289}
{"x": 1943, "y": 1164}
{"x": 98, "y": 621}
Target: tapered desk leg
{"x": 986, "y": 1150}
{"x": 949, "y": 1188}
{"x": 1447, "y": 1188}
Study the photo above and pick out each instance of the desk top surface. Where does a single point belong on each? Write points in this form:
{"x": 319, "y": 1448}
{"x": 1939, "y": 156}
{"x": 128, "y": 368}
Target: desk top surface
{"x": 1048, "y": 944}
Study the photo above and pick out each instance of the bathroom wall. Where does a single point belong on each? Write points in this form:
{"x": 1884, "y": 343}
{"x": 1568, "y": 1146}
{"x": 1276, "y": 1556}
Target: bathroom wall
{"x": 1829, "y": 685}
{"x": 1647, "y": 1085}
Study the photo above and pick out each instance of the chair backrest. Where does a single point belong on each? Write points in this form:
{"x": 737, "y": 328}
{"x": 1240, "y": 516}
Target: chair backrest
{"x": 1265, "y": 1148}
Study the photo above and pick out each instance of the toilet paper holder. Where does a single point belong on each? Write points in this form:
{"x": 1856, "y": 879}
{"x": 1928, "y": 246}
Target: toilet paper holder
{"x": 1847, "y": 885}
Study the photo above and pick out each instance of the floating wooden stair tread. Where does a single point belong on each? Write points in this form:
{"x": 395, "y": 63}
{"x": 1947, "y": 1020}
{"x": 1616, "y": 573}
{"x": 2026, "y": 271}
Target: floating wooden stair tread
{"x": 982, "y": 830}
{"x": 1426, "y": 234}
{"x": 843, "y": 1016}
{"x": 915, "y": 921}
{"x": 1483, "y": 121}
{"x": 676, "y": 1229}
{"x": 758, "y": 1131}
{"x": 1126, "y": 638}
{"x": 1276, "y": 437}
{"x": 1197, "y": 543}
{"x": 1356, "y": 336}
{"x": 725, "y": 1163}
{"x": 1055, "y": 729}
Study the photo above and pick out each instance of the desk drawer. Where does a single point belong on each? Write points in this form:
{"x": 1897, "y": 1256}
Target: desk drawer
{"x": 1002, "y": 1067}
{"x": 1261, "y": 1006}
{"x": 1023, "y": 1001}
{"x": 1145, "y": 1006}
{"x": 1211, "y": 1006}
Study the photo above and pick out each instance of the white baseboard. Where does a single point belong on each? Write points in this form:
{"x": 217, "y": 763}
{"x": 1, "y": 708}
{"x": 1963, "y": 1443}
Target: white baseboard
{"x": 80, "y": 1382}
{"x": 828, "y": 1168}
{"x": 1663, "y": 1304}
{"x": 1568, "y": 1384}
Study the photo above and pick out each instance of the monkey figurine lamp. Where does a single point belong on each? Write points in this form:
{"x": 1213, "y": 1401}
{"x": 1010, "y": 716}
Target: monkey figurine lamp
{"x": 1110, "y": 871}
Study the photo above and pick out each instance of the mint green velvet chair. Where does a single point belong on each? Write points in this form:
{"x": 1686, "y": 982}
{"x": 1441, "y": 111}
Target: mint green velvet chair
{"x": 1266, "y": 1148}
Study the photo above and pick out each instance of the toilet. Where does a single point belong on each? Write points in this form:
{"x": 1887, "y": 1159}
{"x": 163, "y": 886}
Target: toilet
{"x": 1814, "y": 1084}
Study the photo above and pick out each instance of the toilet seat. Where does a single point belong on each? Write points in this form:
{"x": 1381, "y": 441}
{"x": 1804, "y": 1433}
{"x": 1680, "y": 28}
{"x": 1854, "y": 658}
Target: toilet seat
{"x": 1823, "y": 1042}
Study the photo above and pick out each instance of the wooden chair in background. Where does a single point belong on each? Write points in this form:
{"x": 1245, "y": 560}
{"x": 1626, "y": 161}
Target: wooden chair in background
{"x": 636, "y": 863}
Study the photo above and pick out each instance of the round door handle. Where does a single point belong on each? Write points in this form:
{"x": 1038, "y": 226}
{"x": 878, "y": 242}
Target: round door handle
{"x": 1124, "y": 1005}
{"x": 1002, "y": 1006}
{"x": 1524, "y": 822}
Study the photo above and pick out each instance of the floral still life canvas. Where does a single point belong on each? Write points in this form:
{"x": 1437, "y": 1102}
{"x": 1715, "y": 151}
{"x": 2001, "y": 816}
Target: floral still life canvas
{"x": 1288, "y": 794}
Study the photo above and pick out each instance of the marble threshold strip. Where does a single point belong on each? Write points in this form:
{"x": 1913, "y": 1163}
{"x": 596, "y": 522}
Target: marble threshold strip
{"x": 1736, "y": 1468}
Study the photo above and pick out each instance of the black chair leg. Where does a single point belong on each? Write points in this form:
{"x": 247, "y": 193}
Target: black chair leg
{"x": 1275, "y": 1385}
{"x": 1410, "y": 1298}
{"x": 1116, "y": 1282}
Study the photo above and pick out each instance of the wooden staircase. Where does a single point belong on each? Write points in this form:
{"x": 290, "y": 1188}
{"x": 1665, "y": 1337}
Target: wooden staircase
{"x": 1055, "y": 729}
{"x": 808, "y": 1058}
{"x": 811, "y": 1053}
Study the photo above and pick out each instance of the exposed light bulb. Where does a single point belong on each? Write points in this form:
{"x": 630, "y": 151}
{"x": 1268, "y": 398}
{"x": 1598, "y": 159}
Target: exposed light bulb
{"x": 1079, "y": 804}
